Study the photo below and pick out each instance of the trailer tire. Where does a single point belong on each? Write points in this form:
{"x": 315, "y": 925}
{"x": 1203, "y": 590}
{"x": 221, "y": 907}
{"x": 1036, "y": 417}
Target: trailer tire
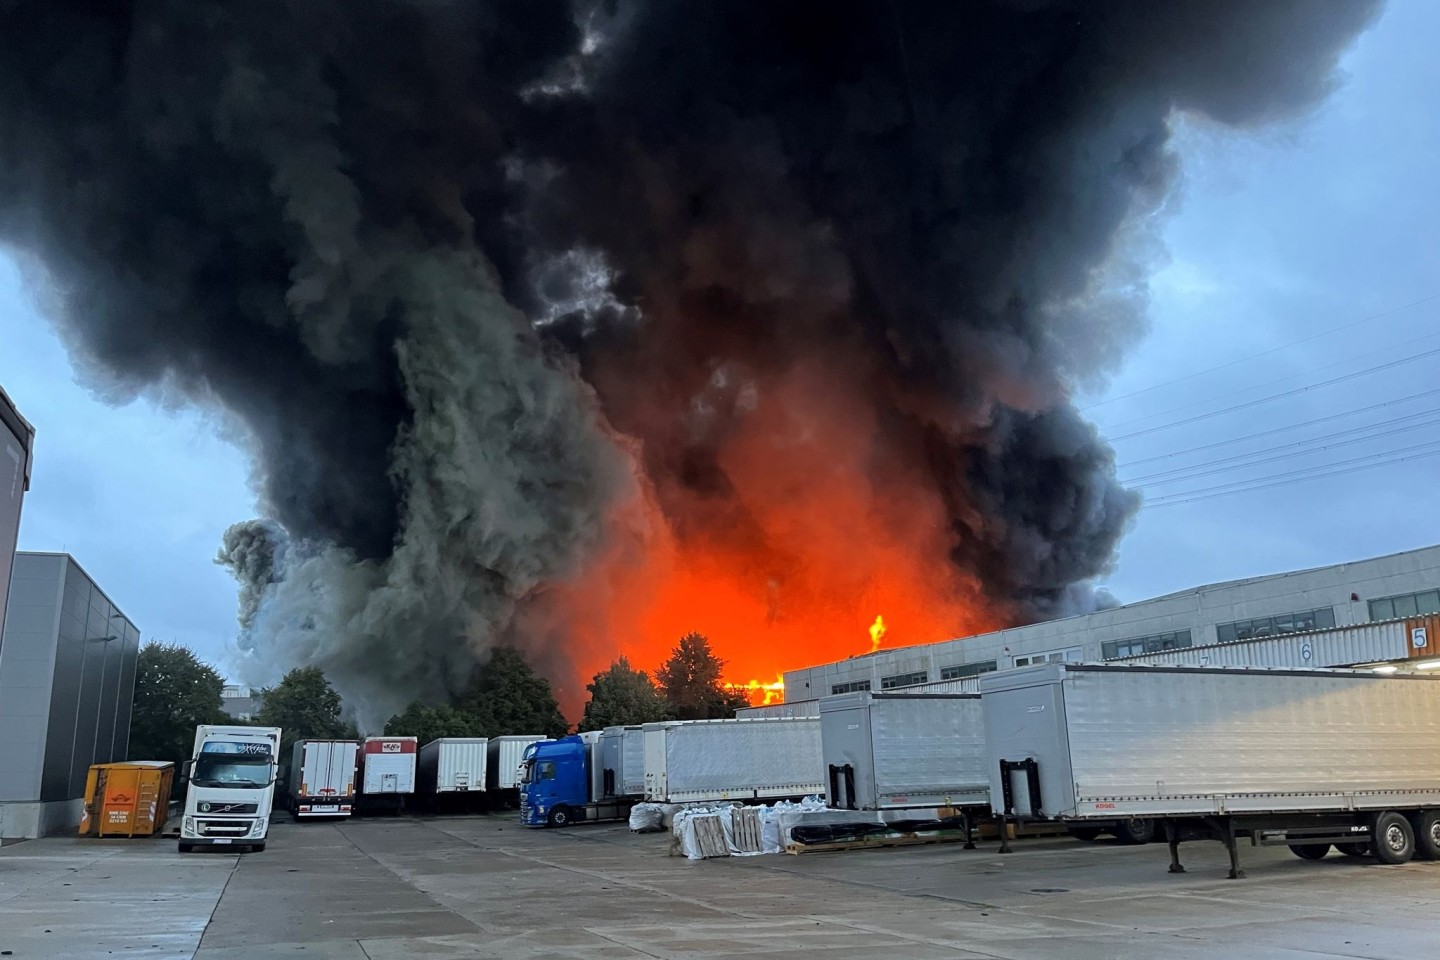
{"x": 1354, "y": 849}
{"x": 1394, "y": 838}
{"x": 1088, "y": 834}
{"x": 1310, "y": 851}
{"x": 560, "y": 817}
{"x": 1136, "y": 830}
{"x": 1427, "y": 834}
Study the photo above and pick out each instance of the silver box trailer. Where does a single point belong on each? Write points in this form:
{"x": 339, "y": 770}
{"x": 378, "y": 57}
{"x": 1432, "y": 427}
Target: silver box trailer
{"x": 503, "y": 763}
{"x": 786, "y": 708}
{"x": 322, "y": 777}
{"x": 622, "y": 761}
{"x": 1309, "y": 758}
{"x": 453, "y": 765}
{"x": 904, "y": 751}
{"x": 690, "y": 760}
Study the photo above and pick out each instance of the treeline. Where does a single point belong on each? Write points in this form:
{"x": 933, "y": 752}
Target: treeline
{"x": 175, "y": 691}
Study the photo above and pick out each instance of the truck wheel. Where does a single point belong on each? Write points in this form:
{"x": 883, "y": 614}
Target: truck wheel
{"x": 1310, "y": 851}
{"x": 1394, "y": 838}
{"x": 1427, "y": 834}
{"x": 1088, "y": 834}
{"x": 186, "y": 847}
{"x": 1135, "y": 830}
{"x": 257, "y": 848}
{"x": 559, "y": 817}
{"x": 1354, "y": 849}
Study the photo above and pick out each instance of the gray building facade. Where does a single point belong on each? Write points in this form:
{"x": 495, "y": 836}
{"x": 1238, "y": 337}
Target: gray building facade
{"x": 67, "y": 683}
{"x": 1392, "y": 587}
{"x": 17, "y": 439}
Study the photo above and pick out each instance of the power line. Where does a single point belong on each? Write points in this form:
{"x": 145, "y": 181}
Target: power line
{"x": 1294, "y": 476}
{"x": 1294, "y": 376}
{"x": 1293, "y": 426}
{"x": 1276, "y": 396}
{"x": 1191, "y": 472}
{"x": 1266, "y": 353}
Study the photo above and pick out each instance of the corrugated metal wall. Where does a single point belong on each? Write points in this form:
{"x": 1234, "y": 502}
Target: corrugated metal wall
{"x": 1341, "y": 647}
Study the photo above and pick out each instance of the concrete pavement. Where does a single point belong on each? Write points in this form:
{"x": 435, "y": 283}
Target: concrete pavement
{"x": 480, "y": 887}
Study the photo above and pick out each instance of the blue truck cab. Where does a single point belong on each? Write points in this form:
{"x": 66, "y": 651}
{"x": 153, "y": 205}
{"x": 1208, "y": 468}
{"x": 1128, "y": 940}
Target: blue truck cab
{"x": 557, "y": 785}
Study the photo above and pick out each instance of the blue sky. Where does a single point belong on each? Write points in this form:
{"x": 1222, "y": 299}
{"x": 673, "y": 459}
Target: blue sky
{"x": 1274, "y": 237}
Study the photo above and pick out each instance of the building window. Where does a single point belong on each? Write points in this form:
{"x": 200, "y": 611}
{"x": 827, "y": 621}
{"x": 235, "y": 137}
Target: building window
{"x": 1321, "y": 618}
{"x": 852, "y": 687}
{"x": 1068, "y": 655}
{"x": 1405, "y": 605}
{"x": 904, "y": 680}
{"x": 1151, "y": 644}
{"x": 962, "y": 670}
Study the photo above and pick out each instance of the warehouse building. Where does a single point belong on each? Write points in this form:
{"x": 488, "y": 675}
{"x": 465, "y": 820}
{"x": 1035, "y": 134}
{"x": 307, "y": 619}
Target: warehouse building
{"x": 17, "y": 438}
{"x": 67, "y": 681}
{"x": 1391, "y": 588}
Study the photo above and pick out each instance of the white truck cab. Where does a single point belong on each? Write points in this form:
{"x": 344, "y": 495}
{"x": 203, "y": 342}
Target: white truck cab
{"x": 231, "y": 787}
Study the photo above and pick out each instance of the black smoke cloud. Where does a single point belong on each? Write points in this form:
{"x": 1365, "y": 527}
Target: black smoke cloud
{"x": 461, "y": 271}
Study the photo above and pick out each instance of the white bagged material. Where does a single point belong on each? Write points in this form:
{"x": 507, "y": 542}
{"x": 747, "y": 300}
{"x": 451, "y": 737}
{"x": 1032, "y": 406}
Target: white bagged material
{"x": 646, "y": 818}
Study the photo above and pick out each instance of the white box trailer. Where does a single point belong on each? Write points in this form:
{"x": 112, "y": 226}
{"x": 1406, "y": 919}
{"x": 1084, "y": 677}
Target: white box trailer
{"x": 453, "y": 765}
{"x": 322, "y": 777}
{"x": 503, "y": 764}
{"x": 387, "y": 771}
{"x": 1307, "y": 758}
{"x": 904, "y": 751}
{"x": 622, "y": 761}
{"x": 786, "y": 708}
{"x": 732, "y": 759}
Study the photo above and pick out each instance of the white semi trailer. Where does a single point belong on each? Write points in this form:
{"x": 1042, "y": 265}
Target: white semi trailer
{"x": 1306, "y": 758}
{"x": 732, "y": 759}
{"x": 902, "y": 751}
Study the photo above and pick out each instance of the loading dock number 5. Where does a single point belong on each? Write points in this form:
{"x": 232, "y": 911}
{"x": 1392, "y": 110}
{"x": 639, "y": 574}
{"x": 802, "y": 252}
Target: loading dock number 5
{"x": 1418, "y": 639}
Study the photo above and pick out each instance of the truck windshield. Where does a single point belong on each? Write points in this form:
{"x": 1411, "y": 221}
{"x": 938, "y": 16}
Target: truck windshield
{"x": 231, "y": 771}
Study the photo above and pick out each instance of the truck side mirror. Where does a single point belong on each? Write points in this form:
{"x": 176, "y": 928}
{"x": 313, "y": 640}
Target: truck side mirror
{"x": 187, "y": 768}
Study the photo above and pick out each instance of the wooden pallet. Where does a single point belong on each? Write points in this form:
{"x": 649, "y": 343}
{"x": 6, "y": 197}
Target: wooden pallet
{"x": 873, "y": 843}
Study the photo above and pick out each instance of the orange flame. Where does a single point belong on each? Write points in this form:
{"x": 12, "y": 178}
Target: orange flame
{"x": 808, "y": 514}
{"x": 761, "y": 693}
{"x": 877, "y": 632}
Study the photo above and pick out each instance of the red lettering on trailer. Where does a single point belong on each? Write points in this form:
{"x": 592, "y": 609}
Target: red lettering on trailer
{"x": 1104, "y": 806}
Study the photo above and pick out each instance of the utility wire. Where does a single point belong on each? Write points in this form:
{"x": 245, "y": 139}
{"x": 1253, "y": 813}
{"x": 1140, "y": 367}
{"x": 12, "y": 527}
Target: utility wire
{"x": 1296, "y": 476}
{"x": 1293, "y": 426}
{"x": 1191, "y": 472}
{"x": 1278, "y": 380}
{"x": 1266, "y": 353}
{"x": 1276, "y": 396}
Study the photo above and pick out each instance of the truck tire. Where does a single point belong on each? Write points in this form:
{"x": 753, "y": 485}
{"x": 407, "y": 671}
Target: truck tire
{"x": 1135, "y": 830}
{"x": 257, "y": 848}
{"x": 186, "y": 847}
{"x": 1426, "y": 824}
{"x": 560, "y": 817}
{"x": 1088, "y": 834}
{"x": 1394, "y": 838}
{"x": 1354, "y": 849}
{"x": 1310, "y": 851}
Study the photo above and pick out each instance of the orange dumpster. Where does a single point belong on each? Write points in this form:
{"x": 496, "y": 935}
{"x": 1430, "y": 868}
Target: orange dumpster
{"x": 130, "y": 799}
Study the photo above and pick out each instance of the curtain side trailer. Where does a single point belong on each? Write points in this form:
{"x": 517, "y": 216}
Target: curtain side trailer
{"x": 1305, "y": 758}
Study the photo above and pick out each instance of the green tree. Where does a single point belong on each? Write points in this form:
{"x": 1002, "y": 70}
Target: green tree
{"x": 623, "y": 695}
{"x": 508, "y": 697}
{"x": 304, "y": 706}
{"x": 175, "y": 692}
{"x": 431, "y": 723}
{"x": 690, "y": 680}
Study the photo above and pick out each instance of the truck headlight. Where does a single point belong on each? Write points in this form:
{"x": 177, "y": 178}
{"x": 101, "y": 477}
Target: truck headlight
{"x": 258, "y": 829}
{"x": 189, "y": 826}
